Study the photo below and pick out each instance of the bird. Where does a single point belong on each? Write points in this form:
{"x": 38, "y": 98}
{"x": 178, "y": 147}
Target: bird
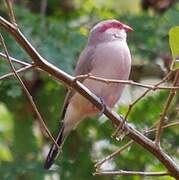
{"x": 106, "y": 55}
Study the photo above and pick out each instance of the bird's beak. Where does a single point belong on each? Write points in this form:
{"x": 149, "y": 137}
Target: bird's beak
{"x": 127, "y": 28}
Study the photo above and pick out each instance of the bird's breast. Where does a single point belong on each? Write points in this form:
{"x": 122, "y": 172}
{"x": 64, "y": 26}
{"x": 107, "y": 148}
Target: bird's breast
{"x": 111, "y": 61}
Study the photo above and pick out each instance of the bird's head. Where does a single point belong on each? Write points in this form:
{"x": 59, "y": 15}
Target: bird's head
{"x": 109, "y": 30}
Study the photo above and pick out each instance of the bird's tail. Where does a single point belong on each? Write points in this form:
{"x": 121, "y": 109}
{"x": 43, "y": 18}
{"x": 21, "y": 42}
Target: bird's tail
{"x": 54, "y": 151}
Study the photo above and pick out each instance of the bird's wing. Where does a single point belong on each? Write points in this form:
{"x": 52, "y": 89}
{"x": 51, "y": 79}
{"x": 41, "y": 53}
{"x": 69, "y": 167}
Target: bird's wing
{"x": 84, "y": 66}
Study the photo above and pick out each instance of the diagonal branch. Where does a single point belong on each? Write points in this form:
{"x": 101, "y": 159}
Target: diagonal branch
{"x": 80, "y": 88}
{"x": 27, "y": 92}
{"x": 121, "y": 149}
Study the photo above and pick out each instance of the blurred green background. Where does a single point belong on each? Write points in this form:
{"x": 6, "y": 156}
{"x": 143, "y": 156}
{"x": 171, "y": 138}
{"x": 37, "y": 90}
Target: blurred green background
{"x": 58, "y": 29}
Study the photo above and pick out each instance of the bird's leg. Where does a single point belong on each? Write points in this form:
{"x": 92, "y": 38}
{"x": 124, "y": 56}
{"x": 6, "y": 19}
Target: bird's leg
{"x": 120, "y": 131}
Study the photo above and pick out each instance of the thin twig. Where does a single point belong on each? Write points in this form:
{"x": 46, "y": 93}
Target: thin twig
{"x": 98, "y": 164}
{"x": 43, "y": 8}
{"x": 145, "y": 93}
{"x": 117, "y": 131}
{"x": 27, "y": 93}
{"x": 129, "y": 173}
{"x": 129, "y": 82}
{"x": 165, "y": 126}
{"x": 166, "y": 107}
{"x": 14, "y": 59}
{"x": 28, "y": 67}
{"x": 121, "y": 149}
{"x": 11, "y": 12}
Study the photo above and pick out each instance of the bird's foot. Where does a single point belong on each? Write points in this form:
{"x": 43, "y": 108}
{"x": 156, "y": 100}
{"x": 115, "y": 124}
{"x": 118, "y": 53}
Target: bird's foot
{"x": 121, "y": 131}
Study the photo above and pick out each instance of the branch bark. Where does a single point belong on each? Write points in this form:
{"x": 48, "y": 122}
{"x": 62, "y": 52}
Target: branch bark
{"x": 76, "y": 85}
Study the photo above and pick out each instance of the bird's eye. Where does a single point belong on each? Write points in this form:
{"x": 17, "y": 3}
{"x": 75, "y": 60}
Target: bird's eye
{"x": 116, "y": 36}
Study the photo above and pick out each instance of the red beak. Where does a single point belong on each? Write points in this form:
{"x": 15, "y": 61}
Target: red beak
{"x": 127, "y": 28}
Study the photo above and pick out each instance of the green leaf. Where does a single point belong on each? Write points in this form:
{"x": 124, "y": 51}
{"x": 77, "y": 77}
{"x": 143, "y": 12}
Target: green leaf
{"x": 174, "y": 45}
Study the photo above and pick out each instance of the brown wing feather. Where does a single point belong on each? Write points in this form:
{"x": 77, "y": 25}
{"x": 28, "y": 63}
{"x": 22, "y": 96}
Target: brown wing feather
{"x": 84, "y": 66}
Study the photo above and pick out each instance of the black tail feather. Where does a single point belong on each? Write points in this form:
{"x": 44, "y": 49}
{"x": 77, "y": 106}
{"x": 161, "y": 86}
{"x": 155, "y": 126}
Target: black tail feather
{"x": 53, "y": 153}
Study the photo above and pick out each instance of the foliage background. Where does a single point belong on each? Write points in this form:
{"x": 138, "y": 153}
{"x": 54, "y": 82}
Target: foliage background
{"x": 59, "y": 32}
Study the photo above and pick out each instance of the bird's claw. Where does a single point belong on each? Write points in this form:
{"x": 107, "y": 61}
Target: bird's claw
{"x": 103, "y": 106}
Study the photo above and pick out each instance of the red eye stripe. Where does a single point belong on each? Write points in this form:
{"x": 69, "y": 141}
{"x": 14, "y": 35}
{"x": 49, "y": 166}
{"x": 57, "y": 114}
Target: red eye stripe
{"x": 117, "y": 25}
{"x": 111, "y": 25}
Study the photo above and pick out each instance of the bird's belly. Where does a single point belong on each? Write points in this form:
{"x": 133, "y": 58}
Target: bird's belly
{"x": 111, "y": 93}
{"x": 108, "y": 93}
{"x": 85, "y": 107}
